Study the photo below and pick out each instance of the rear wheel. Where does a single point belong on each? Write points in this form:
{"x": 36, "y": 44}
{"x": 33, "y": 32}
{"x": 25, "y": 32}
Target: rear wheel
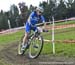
{"x": 20, "y": 51}
{"x": 36, "y": 46}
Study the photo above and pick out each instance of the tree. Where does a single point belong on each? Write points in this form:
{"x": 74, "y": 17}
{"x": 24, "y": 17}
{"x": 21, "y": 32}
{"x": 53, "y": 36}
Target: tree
{"x": 3, "y": 20}
{"x": 69, "y": 8}
{"x": 24, "y": 12}
{"x": 73, "y": 9}
{"x": 46, "y": 8}
{"x": 49, "y": 9}
{"x": 32, "y": 8}
{"x": 13, "y": 14}
{"x": 61, "y": 10}
{"x": 69, "y": 3}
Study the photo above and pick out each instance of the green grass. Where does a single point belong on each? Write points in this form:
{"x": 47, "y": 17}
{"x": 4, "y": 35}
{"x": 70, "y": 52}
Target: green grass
{"x": 62, "y": 49}
{"x": 64, "y": 23}
{"x": 7, "y": 38}
{"x": 61, "y": 34}
{"x": 65, "y": 49}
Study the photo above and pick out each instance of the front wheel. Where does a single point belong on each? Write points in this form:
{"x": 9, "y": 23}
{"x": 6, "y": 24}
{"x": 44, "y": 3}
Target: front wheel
{"x": 36, "y": 46}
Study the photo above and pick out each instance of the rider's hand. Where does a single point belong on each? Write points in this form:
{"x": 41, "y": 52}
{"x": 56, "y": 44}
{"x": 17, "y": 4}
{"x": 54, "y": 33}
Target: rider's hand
{"x": 44, "y": 27}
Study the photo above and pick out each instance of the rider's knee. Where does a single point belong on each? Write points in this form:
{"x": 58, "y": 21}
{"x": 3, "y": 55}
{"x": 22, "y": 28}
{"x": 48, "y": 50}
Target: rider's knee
{"x": 26, "y": 34}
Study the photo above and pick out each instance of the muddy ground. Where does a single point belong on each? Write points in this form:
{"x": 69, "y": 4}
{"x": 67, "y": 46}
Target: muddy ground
{"x": 10, "y": 57}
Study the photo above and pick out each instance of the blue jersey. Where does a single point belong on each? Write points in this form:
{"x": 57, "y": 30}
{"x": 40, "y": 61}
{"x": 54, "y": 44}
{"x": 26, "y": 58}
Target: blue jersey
{"x": 34, "y": 18}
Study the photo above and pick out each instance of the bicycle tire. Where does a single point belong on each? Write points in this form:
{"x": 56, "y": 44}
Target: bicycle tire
{"x": 19, "y": 47}
{"x": 41, "y": 47}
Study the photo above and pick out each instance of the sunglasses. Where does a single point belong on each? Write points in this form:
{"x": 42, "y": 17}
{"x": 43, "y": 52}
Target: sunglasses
{"x": 40, "y": 12}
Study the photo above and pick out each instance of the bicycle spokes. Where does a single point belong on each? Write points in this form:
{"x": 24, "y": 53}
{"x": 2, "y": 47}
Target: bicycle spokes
{"x": 35, "y": 46}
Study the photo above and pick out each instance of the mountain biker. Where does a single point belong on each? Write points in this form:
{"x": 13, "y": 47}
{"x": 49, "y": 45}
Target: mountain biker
{"x": 33, "y": 19}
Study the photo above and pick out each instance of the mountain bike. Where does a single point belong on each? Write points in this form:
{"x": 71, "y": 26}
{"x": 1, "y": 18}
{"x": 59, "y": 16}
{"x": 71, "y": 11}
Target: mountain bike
{"x": 35, "y": 44}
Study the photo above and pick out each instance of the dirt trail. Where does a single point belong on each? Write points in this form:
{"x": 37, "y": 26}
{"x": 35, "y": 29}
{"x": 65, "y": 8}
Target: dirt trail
{"x": 61, "y": 26}
{"x": 9, "y": 54}
{"x": 10, "y": 31}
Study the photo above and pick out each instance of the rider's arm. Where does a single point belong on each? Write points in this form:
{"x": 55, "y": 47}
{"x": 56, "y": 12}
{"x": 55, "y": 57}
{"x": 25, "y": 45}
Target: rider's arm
{"x": 31, "y": 18}
{"x": 43, "y": 20}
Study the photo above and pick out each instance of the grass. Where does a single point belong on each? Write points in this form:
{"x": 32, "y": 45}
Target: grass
{"x": 63, "y": 23}
{"x": 7, "y": 38}
{"x": 16, "y": 36}
{"x": 66, "y": 22}
{"x": 61, "y": 48}
{"x": 61, "y": 34}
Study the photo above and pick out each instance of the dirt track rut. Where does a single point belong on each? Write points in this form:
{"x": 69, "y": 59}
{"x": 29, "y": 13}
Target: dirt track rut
{"x": 9, "y": 54}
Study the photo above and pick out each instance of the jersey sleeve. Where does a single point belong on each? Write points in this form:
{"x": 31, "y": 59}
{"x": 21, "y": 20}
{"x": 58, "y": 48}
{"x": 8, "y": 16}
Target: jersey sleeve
{"x": 31, "y": 18}
{"x": 43, "y": 19}
{"x": 31, "y": 15}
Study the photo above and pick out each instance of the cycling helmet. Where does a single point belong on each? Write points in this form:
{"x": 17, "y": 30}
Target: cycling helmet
{"x": 40, "y": 9}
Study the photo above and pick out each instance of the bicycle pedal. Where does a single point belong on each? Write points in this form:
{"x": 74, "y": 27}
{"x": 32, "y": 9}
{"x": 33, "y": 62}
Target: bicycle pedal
{"x": 27, "y": 46}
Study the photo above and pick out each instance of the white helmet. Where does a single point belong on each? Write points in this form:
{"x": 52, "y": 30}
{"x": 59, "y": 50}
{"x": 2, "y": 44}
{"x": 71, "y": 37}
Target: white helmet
{"x": 40, "y": 9}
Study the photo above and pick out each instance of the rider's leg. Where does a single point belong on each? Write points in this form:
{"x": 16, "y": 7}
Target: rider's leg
{"x": 40, "y": 29}
{"x": 25, "y": 39}
{"x": 27, "y": 30}
{"x": 24, "y": 43}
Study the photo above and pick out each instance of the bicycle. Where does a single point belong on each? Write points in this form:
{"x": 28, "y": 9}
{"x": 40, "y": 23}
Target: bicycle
{"x": 35, "y": 44}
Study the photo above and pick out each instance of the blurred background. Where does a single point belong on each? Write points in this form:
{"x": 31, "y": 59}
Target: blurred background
{"x": 16, "y": 12}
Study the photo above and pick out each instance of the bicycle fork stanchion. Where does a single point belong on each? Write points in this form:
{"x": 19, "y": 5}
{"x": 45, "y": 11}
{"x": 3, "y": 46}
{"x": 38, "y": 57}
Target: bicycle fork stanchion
{"x": 53, "y": 35}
